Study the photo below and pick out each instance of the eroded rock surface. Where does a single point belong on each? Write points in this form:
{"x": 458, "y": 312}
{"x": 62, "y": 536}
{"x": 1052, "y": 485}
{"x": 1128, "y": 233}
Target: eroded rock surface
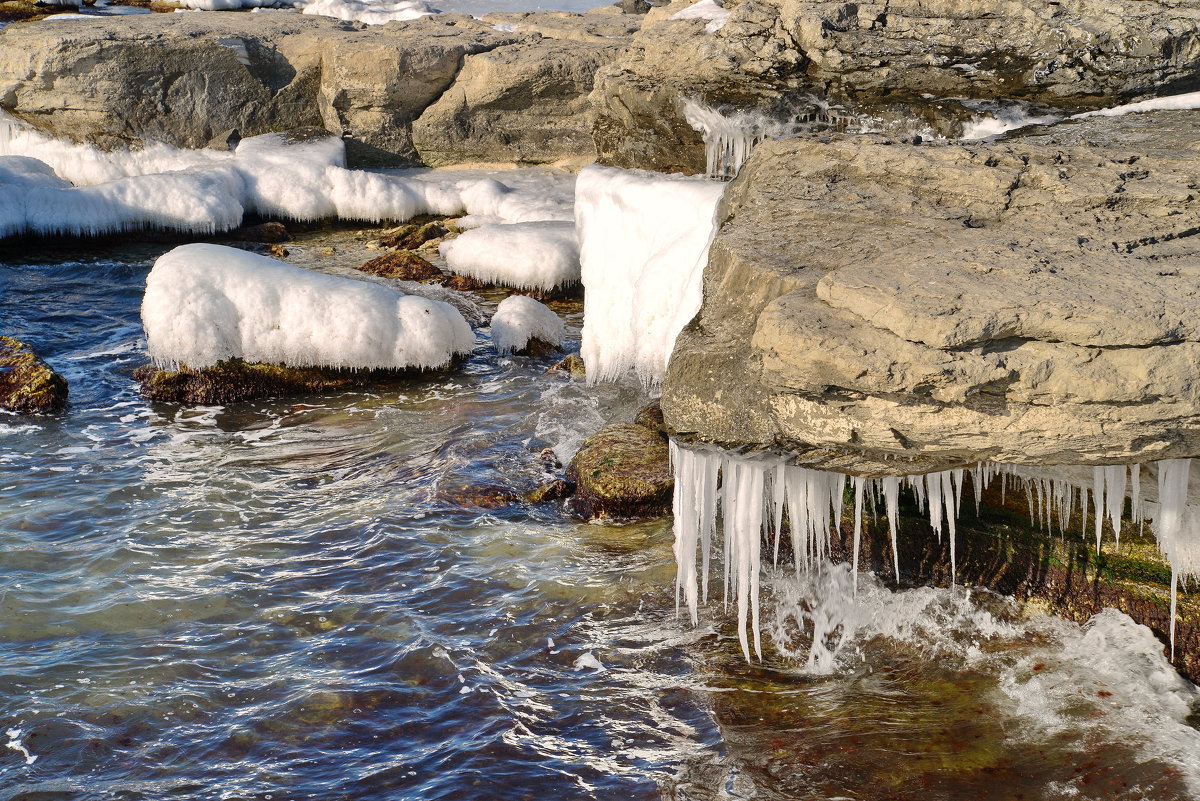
{"x": 204, "y": 79}
{"x": 896, "y": 308}
{"x": 894, "y": 65}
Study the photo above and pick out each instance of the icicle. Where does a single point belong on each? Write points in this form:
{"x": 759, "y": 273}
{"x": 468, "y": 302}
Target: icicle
{"x": 858, "y": 509}
{"x": 710, "y": 476}
{"x": 777, "y": 507}
{"x": 1169, "y": 525}
{"x": 1114, "y": 487}
{"x": 977, "y": 479}
{"x": 891, "y": 500}
{"x": 933, "y": 489}
{"x": 1135, "y": 492}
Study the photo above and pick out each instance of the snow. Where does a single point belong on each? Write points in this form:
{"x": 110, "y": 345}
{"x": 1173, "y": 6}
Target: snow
{"x": 1184, "y": 102}
{"x": 531, "y": 255}
{"x": 755, "y": 489}
{"x": 370, "y": 12}
{"x": 644, "y": 241}
{"x": 204, "y": 191}
{"x": 519, "y": 319}
{"x": 207, "y": 303}
{"x": 705, "y": 9}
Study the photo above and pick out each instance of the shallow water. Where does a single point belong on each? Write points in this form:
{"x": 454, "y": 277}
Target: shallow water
{"x": 335, "y": 598}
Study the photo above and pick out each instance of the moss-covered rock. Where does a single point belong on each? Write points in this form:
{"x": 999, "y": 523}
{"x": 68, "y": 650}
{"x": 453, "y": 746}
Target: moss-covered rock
{"x": 27, "y": 384}
{"x": 268, "y": 233}
{"x": 236, "y": 380}
{"x": 403, "y": 265}
{"x": 462, "y": 283}
{"x": 573, "y": 366}
{"x": 651, "y": 416}
{"x": 554, "y": 490}
{"x": 415, "y": 234}
{"x": 17, "y": 10}
{"x": 622, "y": 471}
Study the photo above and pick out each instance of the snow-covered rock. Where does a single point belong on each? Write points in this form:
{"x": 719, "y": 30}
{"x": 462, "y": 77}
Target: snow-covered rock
{"x": 208, "y": 303}
{"x": 375, "y": 12}
{"x": 519, "y": 319}
{"x": 644, "y": 241}
{"x": 530, "y": 255}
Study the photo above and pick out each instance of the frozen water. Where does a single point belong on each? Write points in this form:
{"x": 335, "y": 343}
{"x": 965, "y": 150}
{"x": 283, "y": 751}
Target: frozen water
{"x": 530, "y": 255}
{"x": 370, "y": 12}
{"x": 519, "y": 319}
{"x": 208, "y": 303}
{"x": 710, "y": 10}
{"x": 644, "y": 241}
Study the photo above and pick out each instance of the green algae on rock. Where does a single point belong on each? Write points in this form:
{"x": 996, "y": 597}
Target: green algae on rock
{"x": 27, "y": 384}
{"x": 236, "y": 380}
{"x": 622, "y": 471}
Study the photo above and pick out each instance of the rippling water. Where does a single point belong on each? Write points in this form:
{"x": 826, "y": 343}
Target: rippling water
{"x": 331, "y": 598}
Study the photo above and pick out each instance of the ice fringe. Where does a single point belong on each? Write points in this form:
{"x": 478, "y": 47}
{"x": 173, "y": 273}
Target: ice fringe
{"x": 207, "y": 303}
{"x": 519, "y": 319}
{"x": 644, "y": 240}
{"x": 50, "y": 186}
{"x": 753, "y": 493}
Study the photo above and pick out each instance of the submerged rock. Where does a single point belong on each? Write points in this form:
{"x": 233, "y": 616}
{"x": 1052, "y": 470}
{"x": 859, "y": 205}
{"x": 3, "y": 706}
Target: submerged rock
{"x": 413, "y": 235}
{"x": 883, "y": 308}
{"x": 235, "y": 380}
{"x": 27, "y": 384}
{"x": 403, "y": 265}
{"x": 554, "y": 490}
{"x": 573, "y": 366}
{"x": 622, "y": 471}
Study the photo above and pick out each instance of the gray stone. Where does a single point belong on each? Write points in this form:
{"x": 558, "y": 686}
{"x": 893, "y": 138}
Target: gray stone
{"x": 879, "y": 307}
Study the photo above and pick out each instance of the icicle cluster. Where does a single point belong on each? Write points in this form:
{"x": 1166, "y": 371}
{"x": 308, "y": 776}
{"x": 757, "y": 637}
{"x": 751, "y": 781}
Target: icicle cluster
{"x": 752, "y": 494}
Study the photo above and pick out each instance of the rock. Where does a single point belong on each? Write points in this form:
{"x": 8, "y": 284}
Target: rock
{"x": 554, "y": 490}
{"x": 885, "y": 308}
{"x": 883, "y": 66}
{"x": 27, "y": 384}
{"x": 198, "y": 79}
{"x": 402, "y": 264}
{"x": 573, "y": 366}
{"x": 462, "y": 283}
{"x": 524, "y": 104}
{"x": 412, "y": 235}
{"x": 268, "y": 233}
{"x": 17, "y": 10}
{"x": 622, "y": 471}
{"x": 651, "y": 417}
{"x": 235, "y": 380}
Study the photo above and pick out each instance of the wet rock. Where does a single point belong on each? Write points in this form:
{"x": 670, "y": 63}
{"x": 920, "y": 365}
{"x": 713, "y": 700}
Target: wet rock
{"x": 651, "y": 416}
{"x": 462, "y": 283}
{"x": 573, "y": 366}
{"x": 267, "y": 233}
{"x": 236, "y": 380}
{"x": 554, "y": 490}
{"x": 27, "y": 384}
{"x": 17, "y": 10}
{"x": 475, "y": 496}
{"x": 943, "y": 304}
{"x": 550, "y": 458}
{"x": 622, "y": 471}
{"x": 403, "y": 265}
{"x": 413, "y": 235}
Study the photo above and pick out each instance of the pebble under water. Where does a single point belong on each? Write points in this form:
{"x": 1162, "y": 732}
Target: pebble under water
{"x": 334, "y": 598}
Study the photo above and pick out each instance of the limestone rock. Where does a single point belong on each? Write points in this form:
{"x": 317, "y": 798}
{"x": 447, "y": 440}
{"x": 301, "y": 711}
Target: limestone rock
{"x": 894, "y": 65}
{"x": 891, "y": 308}
{"x": 27, "y": 384}
{"x": 236, "y": 380}
{"x": 622, "y": 471}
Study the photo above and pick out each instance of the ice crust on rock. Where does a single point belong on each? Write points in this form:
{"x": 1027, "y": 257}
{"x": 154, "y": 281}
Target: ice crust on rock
{"x": 643, "y": 245}
{"x": 207, "y": 303}
{"x": 710, "y": 10}
{"x": 205, "y": 191}
{"x": 527, "y": 255}
{"x": 374, "y": 12}
{"x": 519, "y": 319}
{"x": 755, "y": 490}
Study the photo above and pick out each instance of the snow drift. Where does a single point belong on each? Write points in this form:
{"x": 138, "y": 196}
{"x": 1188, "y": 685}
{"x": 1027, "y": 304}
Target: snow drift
{"x": 519, "y": 319}
{"x": 530, "y": 255}
{"x": 644, "y": 240}
{"x": 207, "y": 303}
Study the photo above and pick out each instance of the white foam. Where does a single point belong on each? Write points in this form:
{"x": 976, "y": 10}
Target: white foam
{"x": 208, "y": 303}
{"x": 529, "y": 255}
{"x": 519, "y": 319}
{"x": 644, "y": 240}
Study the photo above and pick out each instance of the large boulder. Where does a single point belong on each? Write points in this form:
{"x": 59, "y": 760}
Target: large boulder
{"x": 192, "y": 80}
{"x": 896, "y": 65}
{"x": 888, "y": 308}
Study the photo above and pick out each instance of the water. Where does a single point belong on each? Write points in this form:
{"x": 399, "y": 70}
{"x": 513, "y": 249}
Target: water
{"x": 335, "y": 597}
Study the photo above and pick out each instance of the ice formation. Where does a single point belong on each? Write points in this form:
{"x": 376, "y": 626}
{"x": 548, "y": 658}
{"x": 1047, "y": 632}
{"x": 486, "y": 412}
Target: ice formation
{"x": 519, "y": 319}
{"x": 710, "y": 10}
{"x": 83, "y": 190}
{"x": 207, "y": 303}
{"x": 232, "y": 5}
{"x": 753, "y": 492}
{"x": 1184, "y": 102}
{"x": 370, "y": 12}
{"x": 529, "y": 255}
{"x": 644, "y": 240}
